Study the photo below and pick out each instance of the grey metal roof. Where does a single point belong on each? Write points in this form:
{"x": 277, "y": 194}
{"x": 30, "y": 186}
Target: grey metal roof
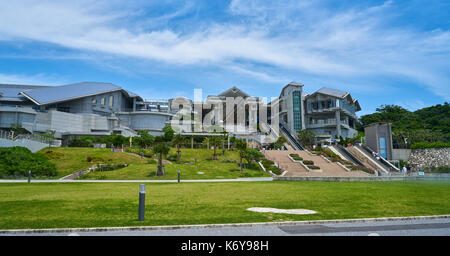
{"x": 234, "y": 92}
{"x": 11, "y": 92}
{"x": 48, "y": 95}
{"x": 332, "y": 92}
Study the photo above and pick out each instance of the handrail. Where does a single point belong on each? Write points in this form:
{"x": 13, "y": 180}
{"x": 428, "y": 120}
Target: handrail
{"x": 291, "y": 138}
{"x": 348, "y": 155}
{"x": 382, "y": 159}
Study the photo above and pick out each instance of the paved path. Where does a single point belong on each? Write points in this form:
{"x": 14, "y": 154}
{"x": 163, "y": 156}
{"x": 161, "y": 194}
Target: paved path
{"x": 142, "y": 181}
{"x": 416, "y": 227}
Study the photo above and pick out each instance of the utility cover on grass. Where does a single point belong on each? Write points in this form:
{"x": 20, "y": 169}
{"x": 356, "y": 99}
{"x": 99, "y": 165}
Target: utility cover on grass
{"x": 275, "y": 210}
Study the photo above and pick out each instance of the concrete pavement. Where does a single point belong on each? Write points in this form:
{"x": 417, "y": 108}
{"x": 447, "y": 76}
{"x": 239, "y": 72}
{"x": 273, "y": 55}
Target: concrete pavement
{"x": 402, "y": 226}
{"x": 141, "y": 181}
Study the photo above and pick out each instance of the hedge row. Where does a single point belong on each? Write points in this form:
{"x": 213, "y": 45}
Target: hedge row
{"x": 423, "y": 145}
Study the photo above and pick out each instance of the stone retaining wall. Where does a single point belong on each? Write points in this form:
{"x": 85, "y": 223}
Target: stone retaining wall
{"x": 422, "y": 159}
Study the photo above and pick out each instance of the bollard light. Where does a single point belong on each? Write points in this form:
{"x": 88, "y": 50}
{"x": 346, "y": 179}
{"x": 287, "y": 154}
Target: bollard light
{"x": 29, "y": 176}
{"x": 179, "y": 176}
{"x": 141, "y": 202}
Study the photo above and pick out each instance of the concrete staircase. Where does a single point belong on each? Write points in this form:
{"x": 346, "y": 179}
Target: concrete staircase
{"x": 327, "y": 169}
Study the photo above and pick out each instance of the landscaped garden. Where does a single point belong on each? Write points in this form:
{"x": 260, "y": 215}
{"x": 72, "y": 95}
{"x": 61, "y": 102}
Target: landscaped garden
{"x": 194, "y": 164}
{"x": 63, "y": 205}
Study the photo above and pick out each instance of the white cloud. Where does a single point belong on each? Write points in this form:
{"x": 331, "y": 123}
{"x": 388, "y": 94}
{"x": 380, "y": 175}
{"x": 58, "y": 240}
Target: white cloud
{"x": 290, "y": 35}
{"x": 37, "y": 79}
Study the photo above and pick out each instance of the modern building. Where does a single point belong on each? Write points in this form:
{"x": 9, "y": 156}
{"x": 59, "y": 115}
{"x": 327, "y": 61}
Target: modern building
{"x": 328, "y": 113}
{"x": 378, "y": 138}
{"x": 91, "y": 108}
{"x": 85, "y": 108}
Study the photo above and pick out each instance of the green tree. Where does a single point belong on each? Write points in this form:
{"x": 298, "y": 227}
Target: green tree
{"x": 280, "y": 142}
{"x": 241, "y": 145}
{"x": 252, "y": 155}
{"x": 18, "y": 129}
{"x": 161, "y": 149}
{"x": 144, "y": 140}
{"x": 306, "y": 138}
{"x": 215, "y": 141}
{"x": 168, "y": 133}
{"x": 177, "y": 141}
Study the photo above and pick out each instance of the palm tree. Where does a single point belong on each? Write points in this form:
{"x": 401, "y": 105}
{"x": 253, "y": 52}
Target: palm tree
{"x": 161, "y": 149}
{"x": 215, "y": 142}
{"x": 240, "y": 145}
{"x": 178, "y": 140}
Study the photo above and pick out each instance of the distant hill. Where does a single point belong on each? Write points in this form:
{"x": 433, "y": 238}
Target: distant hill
{"x": 430, "y": 124}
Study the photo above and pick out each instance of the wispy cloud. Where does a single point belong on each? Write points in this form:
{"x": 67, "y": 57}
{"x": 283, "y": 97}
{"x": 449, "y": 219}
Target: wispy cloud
{"x": 37, "y": 79}
{"x": 306, "y": 37}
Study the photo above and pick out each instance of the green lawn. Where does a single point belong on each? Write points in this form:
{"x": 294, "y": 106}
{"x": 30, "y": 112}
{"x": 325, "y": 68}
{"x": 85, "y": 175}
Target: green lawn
{"x": 74, "y": 159}
{"x": 62, "y": 205}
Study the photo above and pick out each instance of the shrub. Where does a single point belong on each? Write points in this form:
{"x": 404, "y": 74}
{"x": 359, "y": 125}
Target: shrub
{"x": 105, "y": 168}
{"x": 362, "y": 168}
{"x": 172, "y": 157}
{"x": 53, "y": 154}
{"x": 296, "y": 157}
{"x": 440, "y": 169}
{"x": 423, "y": 145}
{"x": 313, "y": 167}
{"x": 308, "y": 162}
{"x": 228, "y": 161}
{"x": 151, "y": 161}
{"x": 274, "y": 169}
{"x": 17, "y": 161}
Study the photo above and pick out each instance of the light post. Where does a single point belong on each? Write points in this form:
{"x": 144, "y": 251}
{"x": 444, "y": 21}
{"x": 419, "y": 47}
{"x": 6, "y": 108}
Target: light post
{"x": 141, "y": 202}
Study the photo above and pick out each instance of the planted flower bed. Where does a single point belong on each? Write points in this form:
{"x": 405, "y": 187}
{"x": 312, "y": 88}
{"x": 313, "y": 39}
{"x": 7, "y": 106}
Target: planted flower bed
{"x": 270, "y": 166}
{"x": 362, "y": 168}
{"x": 296, "y": 157}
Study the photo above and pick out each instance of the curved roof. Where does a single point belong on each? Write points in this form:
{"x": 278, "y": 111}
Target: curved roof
{"x": 55, "y": 94}
{"x": 11, "y": 92}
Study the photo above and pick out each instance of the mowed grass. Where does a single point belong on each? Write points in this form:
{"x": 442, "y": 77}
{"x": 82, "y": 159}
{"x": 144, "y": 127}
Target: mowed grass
{"x": 65, "y": 205}
{"x": 75, "y": 159}
{"x": 138, "y": 169}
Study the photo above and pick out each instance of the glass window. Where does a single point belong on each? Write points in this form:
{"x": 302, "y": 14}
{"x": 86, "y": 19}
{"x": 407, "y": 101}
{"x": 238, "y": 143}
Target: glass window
{"x": 103, "y": 101}
{"x": 111, "y": 101}
{"x": 94, "y": 101}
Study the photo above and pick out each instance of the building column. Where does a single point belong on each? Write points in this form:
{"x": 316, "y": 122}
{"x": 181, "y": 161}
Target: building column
{"x": 338, "y": 123}
{"x": 134, "y": 104}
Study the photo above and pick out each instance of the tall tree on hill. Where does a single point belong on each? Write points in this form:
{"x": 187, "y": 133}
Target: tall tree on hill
{"x": 241, "y": 145}
{"x": 215, "y": 142}
{"x": 161, "y": 149}
{"x": 177, "y": 141}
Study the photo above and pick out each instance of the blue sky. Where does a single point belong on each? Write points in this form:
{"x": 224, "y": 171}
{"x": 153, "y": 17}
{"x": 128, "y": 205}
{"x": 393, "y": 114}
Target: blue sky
{"x": 382, "y": 52}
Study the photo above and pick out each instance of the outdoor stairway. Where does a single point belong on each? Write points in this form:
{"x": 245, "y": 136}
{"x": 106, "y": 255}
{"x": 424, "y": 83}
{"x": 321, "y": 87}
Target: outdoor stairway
{"x": 347, "y": 155}
{"x": 383, "y": 162}
{"x": 367, "y": 160}
{"x": 294, "y": 169}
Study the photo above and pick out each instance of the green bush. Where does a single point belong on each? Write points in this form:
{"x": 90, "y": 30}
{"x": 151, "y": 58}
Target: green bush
{"x": 296, "y": 157}
{"x": 147, "y": 152}
{"x": 17, "y": 161}
{"x": 308, "y": 162}
{"x": 313, "y": 167}
{"x": 151, "y": 161}
{"x": 274, "y": 169}
{"x": 440, "y": 169}
{"x": 50, "y": 154}
{"x": 423, "y": 145}
{"x": 362, "y": 168}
